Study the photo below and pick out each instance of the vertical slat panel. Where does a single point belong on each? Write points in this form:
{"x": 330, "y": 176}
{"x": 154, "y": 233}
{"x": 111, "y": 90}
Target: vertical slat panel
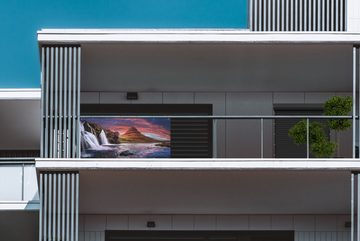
{"x": 56, "y": 131}
{"x": 291, "y": 15}
{"x": 328, "y": 28}
{"x": 61, "y": 117}
{"x": 269, "y": 10}
{"x": 323, "y": 23}
{"x": 66, "y": 109}
{"x": 51, "y": 107}
{"x": 41, "y": 204}
{"x": 297, "y": 15}
{"x": 67, "y": 207}
{"x": 332, "y": 15}
{"x": 282, "y": 15}
{"x": 58, "y": 236}
{"x": 261, "y": 24}
{"x": 336, "y": 15}
{"x": 273, "y": 16}
{"x": 278, "y": 14}
{"x": 287, "y": 3}
{"x": 43, "y": 81}
{"x": 78, "y": 103}
{"x": 341, "y": 15}
{"x": 70, "y": 100}
{"x": 296, "y": 9}
{"x": 77, "y": 208}
{"x": 44, "y": 195}
{"x": 59, "y": 206}
{"x": 305, "y": 15}
{"x": 251, "y": 15}
{"x": 256, "y": 15}
{"x": 63, "y": 207}
{"x": 301, "y": 15}
{"x": 54, "y": 207}
{"x": 72, "y": 207}
{"x": 314, "y": 17}
{"x": 309, "y": 15}
{"x": 50, "y": 207}
{"x": 47, "y": 94}
{"x": 74, "y": 107}
{"x": 318, "y": 15}
{"x": 60, "y": 81}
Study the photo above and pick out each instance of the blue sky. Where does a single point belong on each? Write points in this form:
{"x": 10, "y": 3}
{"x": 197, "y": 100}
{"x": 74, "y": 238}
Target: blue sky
{"x": 20, "y": 19}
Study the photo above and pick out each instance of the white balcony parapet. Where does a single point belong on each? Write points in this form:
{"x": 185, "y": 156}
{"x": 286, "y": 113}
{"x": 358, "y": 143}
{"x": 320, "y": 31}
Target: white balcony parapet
{"x": 78, "y": 36}
{"x": 20, "y": 94}
{"x": 220, "y": 164}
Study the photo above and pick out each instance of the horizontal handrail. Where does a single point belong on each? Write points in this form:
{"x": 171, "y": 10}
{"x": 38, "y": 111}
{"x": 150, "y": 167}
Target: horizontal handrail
{"x": 218, "y": 117}
{"x": 17, "y": 160}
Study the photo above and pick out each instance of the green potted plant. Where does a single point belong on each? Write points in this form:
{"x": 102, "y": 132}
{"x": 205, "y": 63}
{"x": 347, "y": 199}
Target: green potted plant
{"x": 320, "y": 145}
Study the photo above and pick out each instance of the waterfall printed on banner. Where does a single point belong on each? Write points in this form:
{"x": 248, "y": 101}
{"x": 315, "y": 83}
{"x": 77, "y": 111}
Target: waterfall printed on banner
{"x": 115, "y": 137}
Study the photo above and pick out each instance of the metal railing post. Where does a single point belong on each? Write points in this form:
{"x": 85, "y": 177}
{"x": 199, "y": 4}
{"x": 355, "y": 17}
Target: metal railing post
{"x": 352, "y": 207}
{"x": 23, "y": 182}
{"x": 262, "y": 137}
{"x": 307, "y": 138}
{"x": 214, "y": 138}
{"x": 355, "y": 51}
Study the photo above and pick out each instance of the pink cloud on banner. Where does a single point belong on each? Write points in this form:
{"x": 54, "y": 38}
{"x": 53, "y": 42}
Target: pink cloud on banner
{"x": 153, "y": 127}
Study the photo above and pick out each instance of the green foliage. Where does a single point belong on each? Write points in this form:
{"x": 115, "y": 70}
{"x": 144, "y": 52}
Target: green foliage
{"x": 320, "y": 145}
{"x": 338, "y": 106}
{"x": 323, "y": 148}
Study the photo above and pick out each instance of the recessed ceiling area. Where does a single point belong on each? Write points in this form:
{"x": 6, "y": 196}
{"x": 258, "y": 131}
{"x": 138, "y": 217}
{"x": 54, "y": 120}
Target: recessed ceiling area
{"x": 215, "y": 192}
{"x": 20, "y": 124}
{"x": 216, "y": 67}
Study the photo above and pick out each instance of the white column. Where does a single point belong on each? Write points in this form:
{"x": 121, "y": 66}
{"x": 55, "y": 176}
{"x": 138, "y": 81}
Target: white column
{"x": 353, "y": 15}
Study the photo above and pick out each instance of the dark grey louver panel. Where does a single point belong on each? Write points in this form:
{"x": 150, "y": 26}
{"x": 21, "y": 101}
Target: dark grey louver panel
{"x": 297, "y": 15}
{"x": 19, "y": 153}
{"x": 60, "y": 84}
{"x": 59, "y": 206}
{"x": 191, "y": 138}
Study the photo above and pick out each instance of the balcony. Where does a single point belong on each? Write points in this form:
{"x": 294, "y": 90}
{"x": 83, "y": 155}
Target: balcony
{"x": 18, "y": 186}
{"x": 247, "y": 83}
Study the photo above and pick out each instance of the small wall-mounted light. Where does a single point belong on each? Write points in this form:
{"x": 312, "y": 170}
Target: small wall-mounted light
{"x": 132, "y": 96}
{"x": 151, "y": 224}
{"x": 347, "y": 224}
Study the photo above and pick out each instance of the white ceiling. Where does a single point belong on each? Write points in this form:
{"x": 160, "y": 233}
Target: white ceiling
{"x": 20, "y": 124}
{"x": 211, "y": 67}
{"x": 214, "y": 192}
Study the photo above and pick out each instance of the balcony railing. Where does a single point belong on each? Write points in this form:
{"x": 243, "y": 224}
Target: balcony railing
{"x": 262, "y": 126}
{"x": 18, "y": 183}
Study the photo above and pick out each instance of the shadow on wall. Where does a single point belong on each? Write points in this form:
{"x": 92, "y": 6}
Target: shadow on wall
{"x": 19, "y": 225}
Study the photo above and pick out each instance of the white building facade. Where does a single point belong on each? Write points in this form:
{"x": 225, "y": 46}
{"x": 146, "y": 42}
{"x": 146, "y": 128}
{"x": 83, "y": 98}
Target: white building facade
{"x": 230, "y": 97}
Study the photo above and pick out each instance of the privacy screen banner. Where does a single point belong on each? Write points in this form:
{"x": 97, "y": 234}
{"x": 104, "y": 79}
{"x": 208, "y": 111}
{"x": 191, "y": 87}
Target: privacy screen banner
{"x": 116, "y": 137}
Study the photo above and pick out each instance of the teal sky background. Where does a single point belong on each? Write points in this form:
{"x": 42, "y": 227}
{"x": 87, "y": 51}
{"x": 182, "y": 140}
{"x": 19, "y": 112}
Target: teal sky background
{"x": 20, "y": 19}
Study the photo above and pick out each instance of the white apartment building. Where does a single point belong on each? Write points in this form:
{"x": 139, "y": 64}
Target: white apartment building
{"x": 184, "y": 134}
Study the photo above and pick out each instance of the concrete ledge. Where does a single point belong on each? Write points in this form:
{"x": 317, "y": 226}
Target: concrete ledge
{"x": 198, "y": 164}
{"x": 19, "y": 205}
{"x": 20, "y": 94}
{"x": 78, "y": 36}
